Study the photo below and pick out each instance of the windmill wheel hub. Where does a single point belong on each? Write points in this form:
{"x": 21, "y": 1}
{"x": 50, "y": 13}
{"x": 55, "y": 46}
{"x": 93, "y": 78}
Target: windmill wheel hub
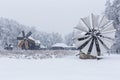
{"x": 94, "y": 32}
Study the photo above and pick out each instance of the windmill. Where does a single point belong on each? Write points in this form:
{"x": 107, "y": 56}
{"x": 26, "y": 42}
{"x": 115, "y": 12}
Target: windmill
{"x": 96, "y": 34}
{"x": 8, "y": 46}
{"x": 25, "y": 41}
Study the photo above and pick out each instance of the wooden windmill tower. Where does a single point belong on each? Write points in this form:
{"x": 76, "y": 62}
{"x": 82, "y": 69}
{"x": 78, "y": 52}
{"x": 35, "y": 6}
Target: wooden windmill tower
{"x": 25, "y": 42}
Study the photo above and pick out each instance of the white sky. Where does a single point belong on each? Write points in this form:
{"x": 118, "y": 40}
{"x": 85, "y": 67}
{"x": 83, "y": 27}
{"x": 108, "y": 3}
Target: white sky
{"x": 50, "y": 15}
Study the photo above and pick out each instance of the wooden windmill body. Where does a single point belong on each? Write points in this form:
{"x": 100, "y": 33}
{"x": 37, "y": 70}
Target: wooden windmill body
{"x": 25, "y": 42}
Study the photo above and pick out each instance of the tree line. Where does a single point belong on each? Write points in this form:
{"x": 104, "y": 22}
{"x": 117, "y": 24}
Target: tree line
{"x": 10, "y": 30}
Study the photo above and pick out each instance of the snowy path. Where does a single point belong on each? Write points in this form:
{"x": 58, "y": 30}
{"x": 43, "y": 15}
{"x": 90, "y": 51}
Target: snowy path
{"x": 69, "y": 68}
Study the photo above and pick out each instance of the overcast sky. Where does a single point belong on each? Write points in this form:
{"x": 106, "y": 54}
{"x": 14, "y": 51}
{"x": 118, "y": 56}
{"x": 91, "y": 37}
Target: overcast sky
{"x": 50, "y": 15}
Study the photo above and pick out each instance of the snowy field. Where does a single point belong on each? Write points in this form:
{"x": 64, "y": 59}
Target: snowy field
{"x": 65, "y": 68}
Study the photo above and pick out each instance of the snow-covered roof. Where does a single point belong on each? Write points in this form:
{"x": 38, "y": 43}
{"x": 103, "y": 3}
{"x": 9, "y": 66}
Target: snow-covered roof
{"x": 36, "y": 41}
{"x": 60, "y": 45}
{"x": 73, "y": 46}
{"x": 31, "y": 38}
{"x": 42, "y": 46}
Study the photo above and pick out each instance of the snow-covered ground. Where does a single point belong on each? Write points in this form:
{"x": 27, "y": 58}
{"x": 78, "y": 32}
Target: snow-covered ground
{"x": 66, "y": 68}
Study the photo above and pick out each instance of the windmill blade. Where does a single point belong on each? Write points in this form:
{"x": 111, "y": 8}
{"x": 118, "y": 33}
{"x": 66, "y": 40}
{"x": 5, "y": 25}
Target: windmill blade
{"x": 97, "y": 47}
{"x": 86, "y": 21}
{"x": 26, "y": 44}
{"x": 108, "y": 42}
{"x": 112, "y": 39}
{"x": 81, "y": 35}
{"x": 81, "y": 28}
{"x": 28, "y": 34}
{"x": 93, "y": 50}
{"x": 94, "y": 21}
{"x": 100, "y": 20}
{"x": 106, "y": 24}
{"x": 107, "y": 27}
{"x": 23, "y": 33}
{"x": 83, "y": 38}
{"x": 102, "y": 48}
{"x": 21, "y": 43}
{"x": 78, "y": 43}
{"x": 84, "y": 44}
{"x": 110, "y": 34}
{"x": 91, "y": 46}
{"x": 104, "y": 45}
{"x": 103, "y": 21}
{"x": 110, "y": 31}
{"x": 20, "y": 38}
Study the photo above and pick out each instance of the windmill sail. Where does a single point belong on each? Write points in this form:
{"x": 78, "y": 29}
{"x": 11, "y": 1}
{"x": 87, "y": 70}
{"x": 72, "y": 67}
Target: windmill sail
{"x": 98, "y": 36}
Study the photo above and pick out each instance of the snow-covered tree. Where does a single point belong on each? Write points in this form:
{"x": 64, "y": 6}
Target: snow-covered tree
{"x": 47, "y": 39}
{"x": 112, "y": 11}
{"x": 9, "y": 30}
{"x": 69, "y": 39}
